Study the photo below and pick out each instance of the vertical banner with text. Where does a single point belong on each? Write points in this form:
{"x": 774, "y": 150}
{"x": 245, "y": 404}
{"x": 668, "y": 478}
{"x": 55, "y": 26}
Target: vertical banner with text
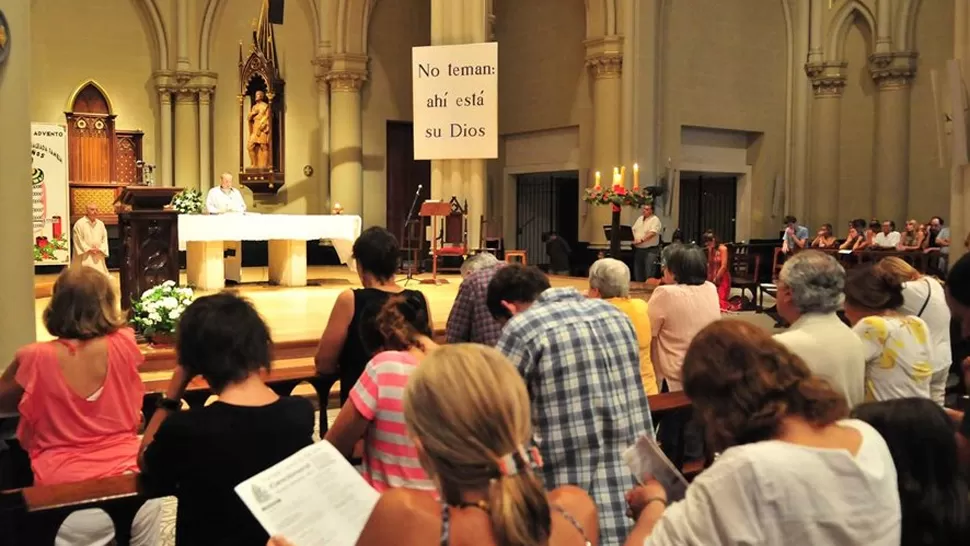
{"x": 455, "y": 101}
{"x": 48, "y": 150}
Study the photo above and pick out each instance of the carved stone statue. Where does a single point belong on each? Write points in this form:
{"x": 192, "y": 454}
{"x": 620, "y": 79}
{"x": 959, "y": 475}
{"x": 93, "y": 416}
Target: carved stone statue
{"x": 259, "y": 128}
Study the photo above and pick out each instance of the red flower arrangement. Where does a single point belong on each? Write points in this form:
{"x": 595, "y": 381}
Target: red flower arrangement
{"x": 618, "y": 197}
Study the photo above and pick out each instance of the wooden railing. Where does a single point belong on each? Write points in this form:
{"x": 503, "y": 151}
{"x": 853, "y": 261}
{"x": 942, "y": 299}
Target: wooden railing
{"x": 32, "y": 516}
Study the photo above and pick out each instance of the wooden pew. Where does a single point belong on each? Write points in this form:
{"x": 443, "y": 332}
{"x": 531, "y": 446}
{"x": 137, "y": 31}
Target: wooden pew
{"x": 32, "y": 516}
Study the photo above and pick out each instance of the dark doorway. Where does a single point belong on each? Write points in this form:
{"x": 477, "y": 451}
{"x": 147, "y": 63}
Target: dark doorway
{"x": 708, "y": 202}
{"x": 404, "y": 174}
{"x": 546, "y": 202}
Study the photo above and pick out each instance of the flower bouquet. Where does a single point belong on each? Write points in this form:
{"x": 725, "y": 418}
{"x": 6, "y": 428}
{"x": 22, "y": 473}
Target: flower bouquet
{"x": 46, "y": 250}
{"x": 158, "y": 309}
{"x": 189, "y": 201}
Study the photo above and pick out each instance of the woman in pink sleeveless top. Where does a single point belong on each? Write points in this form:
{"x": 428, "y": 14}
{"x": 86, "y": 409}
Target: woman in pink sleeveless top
{"x": 79, "y": 398}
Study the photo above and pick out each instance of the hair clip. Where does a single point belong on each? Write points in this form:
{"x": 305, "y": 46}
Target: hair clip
{"x": 512, "y": 464}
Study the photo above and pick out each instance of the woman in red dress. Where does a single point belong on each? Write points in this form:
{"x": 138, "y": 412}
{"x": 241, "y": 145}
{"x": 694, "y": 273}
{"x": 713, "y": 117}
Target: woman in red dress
{"x": 717, "y": 268}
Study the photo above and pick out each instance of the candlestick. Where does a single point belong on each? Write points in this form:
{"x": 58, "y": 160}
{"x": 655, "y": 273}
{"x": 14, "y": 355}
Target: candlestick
{"x": 636, "y": 176}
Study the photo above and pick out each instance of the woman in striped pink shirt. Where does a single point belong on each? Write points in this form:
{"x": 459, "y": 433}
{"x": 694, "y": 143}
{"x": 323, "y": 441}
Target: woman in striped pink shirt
{"x": 400, "y": 335}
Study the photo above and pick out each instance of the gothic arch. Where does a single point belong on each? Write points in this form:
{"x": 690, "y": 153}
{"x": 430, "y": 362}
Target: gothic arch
{"x": 149, "y": 10}
{"x": 906, "y": 31}
{"x": 601, "y": 18}
{"x": 214, "y": 7}
{"x": 840, "y": 24}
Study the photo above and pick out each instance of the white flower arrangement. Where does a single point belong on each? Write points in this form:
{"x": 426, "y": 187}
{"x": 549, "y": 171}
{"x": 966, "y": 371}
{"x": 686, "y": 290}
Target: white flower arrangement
{"x": 189, "y": 201}
{"x": 159, "y": 308}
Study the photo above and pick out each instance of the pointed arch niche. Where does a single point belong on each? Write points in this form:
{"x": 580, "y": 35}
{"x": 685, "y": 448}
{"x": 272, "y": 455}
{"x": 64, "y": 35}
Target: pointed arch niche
{"x": 101, "y": 158}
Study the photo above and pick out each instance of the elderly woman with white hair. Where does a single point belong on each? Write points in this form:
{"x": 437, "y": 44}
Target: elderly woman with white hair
{"x": 810, "y": 292}
{"x": 609, "y": 279}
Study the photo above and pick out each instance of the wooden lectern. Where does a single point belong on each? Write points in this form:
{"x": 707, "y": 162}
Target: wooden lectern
{"x": 149, "y": 240}
{"x": 434, "y": 209}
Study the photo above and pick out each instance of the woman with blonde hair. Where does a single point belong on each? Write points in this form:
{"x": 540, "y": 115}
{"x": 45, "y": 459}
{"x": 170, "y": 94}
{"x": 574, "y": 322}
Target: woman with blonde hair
{"x": 79, "y": 398}
{"x": 924, "y": 297}
{"x": 793, "y": 469}
{"x": 467, "y": 410}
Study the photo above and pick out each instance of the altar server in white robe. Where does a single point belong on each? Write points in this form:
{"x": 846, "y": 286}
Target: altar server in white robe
{"x": 91, "y": 240}
{"x": 226, "y": 199}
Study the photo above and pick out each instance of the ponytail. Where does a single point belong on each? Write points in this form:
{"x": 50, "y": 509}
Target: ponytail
{"x": 519, "y": 510}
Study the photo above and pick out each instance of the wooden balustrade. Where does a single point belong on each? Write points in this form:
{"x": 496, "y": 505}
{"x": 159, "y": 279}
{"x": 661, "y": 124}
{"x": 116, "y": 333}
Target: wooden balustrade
{"x": 32, "y": 516}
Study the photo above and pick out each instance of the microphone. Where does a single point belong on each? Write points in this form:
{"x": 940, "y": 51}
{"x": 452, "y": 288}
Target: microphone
{"x": 419, "y": 187}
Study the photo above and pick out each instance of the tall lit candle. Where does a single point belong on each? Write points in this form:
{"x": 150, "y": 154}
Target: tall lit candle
{"x": 636, "y": 176}
{"x": 616, "y": 177}
{"x": 597, "y": 185}
{"x": 623, "y": 175}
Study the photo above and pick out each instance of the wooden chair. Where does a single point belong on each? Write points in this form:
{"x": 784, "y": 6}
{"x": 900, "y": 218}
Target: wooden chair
{"x": 490, "y": 238}
{"x": 454, "y": 236}
{"x": 771, "y": 288}
{"x": 512, "y": 255}
{"x": 745, "y": 268}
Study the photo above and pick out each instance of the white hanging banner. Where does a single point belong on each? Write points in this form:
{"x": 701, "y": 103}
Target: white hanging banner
{"x": 455, "y": 90}
{"x": 48, "y": 150}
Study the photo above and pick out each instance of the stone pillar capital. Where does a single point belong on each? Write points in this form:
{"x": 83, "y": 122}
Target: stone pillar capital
{"x": 185, "y": 95}
{"x": 893, "y": 70}
{"x": 205, "y": 95}
{"x": 321, "y": 68}
{"x": 604, "y": 56}
{"x": 347, "y": 73}
{"x": 828, "y": 79}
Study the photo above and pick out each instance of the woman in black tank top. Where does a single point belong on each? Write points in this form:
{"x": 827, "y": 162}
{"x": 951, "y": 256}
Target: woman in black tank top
{"x": 341, "y": 350}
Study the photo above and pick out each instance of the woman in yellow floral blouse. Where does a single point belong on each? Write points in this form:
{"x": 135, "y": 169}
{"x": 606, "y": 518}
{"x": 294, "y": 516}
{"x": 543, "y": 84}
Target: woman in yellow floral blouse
{"x": 899, "y": 353}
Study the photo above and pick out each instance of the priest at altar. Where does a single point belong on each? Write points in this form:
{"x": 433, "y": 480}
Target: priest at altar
{"x": 226, "y": 199}
{"x": 91, "y": 240}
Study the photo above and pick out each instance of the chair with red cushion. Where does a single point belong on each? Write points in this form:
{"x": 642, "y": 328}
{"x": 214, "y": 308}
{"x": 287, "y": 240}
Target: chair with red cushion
{"x": 454, "y": 235}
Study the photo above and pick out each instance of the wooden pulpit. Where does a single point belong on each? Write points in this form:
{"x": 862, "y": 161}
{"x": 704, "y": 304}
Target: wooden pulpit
{"x": 149, "y": 240}
{"x": 435, "y": 210}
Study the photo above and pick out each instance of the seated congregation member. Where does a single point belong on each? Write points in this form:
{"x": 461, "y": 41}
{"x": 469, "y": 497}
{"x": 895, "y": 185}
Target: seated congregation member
{"x": 401, "y": 338}
{"x": 887, "y": 238}
{"x": 679, "y": 308}
{"x": 897, "y": 348}
{"x": 792, "y": 469}
{"x": 717, "y": 268}
{"x": 824, "y": 238}
{"x": 958, "y": 299}
{"x": 580, "y": 362}
{"x": 341, "y": 349}
{"x": 924, "y": 297}
{"x": 810, "y": 289}
{"x": 609, "y": 279}
{"x": 795, "y": 237}
{"x": 938, "y": 241}
{"x": 911, "y": 238}
{"x": 203, "y": 453}
{"x": 932, "y": 492}
{"x": 868, "y": 239}
{"x": 80, "y": 398}
{"x": 851, "y": 240}
{"x": 469, "y": 320}
{"x": 481, "y": 458}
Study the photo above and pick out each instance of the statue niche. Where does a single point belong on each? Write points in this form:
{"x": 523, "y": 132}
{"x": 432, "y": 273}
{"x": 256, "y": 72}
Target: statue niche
{"x": 261, "y": 111}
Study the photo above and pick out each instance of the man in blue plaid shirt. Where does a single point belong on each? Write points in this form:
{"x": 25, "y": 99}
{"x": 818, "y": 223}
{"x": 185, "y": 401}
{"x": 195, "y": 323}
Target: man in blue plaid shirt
{"x": 580, "y": 361}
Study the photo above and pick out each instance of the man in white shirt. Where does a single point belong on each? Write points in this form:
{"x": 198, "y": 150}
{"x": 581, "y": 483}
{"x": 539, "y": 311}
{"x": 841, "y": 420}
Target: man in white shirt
{"x": 646, "y": 244}
{"x": 888, "y": 238}
{"x": 810, "y": 289}
{"x": 226, "y": 199}
{"x": 91, "y": 240}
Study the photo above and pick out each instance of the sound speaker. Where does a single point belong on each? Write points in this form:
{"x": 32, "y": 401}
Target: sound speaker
{"x": 276, "y": 12}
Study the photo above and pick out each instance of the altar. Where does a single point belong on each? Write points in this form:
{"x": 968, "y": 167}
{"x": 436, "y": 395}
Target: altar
{"x": 204, "y": 236}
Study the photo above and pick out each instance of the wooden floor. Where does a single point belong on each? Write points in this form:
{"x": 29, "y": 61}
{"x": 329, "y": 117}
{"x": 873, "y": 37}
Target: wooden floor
{"x": 302, "y": 313}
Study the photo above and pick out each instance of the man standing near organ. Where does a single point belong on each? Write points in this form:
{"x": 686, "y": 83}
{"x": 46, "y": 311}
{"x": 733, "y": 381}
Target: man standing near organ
{"x": 91, "y": 240}
{"x": 222, "y": 200}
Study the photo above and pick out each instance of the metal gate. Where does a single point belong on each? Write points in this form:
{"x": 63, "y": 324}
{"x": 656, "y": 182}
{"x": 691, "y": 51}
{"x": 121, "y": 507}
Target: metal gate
{"x": 707, "y": 203}
{"x": 546, "y": 202}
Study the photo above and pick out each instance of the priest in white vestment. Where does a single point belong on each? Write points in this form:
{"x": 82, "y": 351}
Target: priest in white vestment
{"x": 225, "y": 199}
{"x": 91, "y": 240}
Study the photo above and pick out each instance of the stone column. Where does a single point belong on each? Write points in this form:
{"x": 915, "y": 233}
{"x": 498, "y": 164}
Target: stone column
{"x": 461, "y": 22}
{"x": 604, "y": 59}
{"x": 186, "y": 139}
{"x": 165, "y": 165}
{"x": 822, "y": 192}
{"x": 346, "y": 77}
{"x": 322, "y": 67}
{"x": 959, "y": 219}
{"x": 17, "y": 321}
{"x": 182, "y": 34}
{"x": 801, "y": 125}
{"x": 205, "y": 139}
{"x": 893, "y": 73}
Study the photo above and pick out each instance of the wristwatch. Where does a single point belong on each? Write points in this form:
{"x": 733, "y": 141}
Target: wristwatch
{"x": 169, "y": 404}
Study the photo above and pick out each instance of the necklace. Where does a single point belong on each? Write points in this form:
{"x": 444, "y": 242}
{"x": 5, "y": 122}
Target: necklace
{"x": 481, "y": 505}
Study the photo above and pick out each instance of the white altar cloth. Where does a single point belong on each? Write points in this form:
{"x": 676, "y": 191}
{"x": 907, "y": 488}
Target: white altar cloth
{"x": 203, "y": 237}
